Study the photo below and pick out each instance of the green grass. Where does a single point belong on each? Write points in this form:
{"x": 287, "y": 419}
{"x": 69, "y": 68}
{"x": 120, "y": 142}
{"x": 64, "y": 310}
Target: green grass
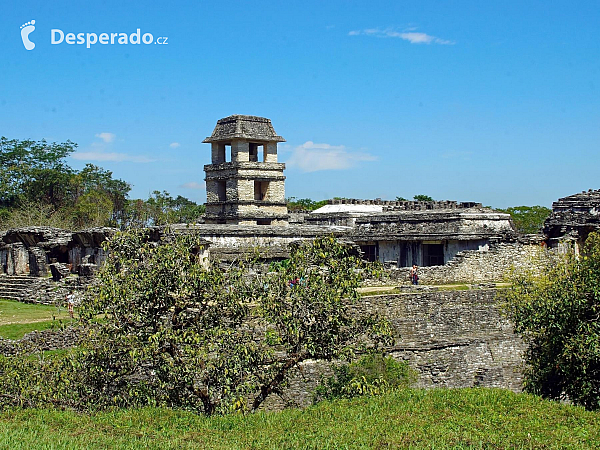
{"x": 18, "y": 330}
{"x": 461, "y": 418}
{"x": 18, "y": 318}
{"x": 453, "y": 287}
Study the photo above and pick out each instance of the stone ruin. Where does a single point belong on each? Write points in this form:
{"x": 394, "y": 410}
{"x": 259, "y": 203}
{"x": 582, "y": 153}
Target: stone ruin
{"x": 573, "y": 218}
{"x": 244, "y": 182}
{"x": 453, "y": 339}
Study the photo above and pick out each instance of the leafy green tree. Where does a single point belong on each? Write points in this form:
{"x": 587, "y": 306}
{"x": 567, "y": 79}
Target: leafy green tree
{"x": 423, "y": 198}
{"x": 164, "y": 327}
{"x": 35, "y": 171}
{"x": 37, "y": 174}
{"x": 401, "y": 199}
{"x": 162, "y": 209}
{"x": 93, "y": 208}
{"x": 528, "y": 219}
{"x": 304, "y": 204}
{"x": 96, "y": 179}
{"x": 558, "y": 313}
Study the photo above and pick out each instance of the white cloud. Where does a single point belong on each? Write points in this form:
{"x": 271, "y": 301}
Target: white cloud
{"x": 98, "y": 152}
{"x": 193, "y": 185}
{"x": 106, "y": 137}
{"x": 110, "y": 156}
{"x": 174, "y": 145}
{"x": 409, "y": 35}
{"x": 311, "y": 157}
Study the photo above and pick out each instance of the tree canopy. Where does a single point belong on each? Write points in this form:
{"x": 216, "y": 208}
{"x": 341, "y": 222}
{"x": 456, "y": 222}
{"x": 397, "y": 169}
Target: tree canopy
{"x": 558, "y": 313}
{"x": 528, "y": 219}
{"x": 304, "y": 204}
{"x": 423, "y": 198}
{"x": 38, "y": 187}
{"x": 165, "y": 327}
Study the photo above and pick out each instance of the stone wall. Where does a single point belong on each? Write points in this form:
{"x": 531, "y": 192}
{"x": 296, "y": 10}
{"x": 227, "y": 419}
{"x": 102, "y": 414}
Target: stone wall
{"x": 472, "y": 266}
{"x": 406, "y": 205}
{"x": 38, "y": 290}
{"x": 452, "y": 339}
{"x": 38, "y": 341}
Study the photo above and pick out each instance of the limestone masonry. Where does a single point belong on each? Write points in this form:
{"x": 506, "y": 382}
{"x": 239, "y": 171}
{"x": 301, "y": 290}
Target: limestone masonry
{"x": 245, "y": 183}
{"x": 453, "y": 339}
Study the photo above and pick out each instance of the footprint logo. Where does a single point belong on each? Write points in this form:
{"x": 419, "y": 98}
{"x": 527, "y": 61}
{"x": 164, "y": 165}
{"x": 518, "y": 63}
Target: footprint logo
{"x": 26, "y": 30}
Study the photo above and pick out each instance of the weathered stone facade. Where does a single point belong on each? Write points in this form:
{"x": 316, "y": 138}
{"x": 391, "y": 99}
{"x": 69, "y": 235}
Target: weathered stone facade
{"x": 451, "y": 339}
{"x": 491, "y": 263}
{"x": 246, "y": 189}
{"x": 573, "y": 218}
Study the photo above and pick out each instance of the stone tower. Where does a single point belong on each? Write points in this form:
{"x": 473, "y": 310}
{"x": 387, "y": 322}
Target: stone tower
{"x": 245, "y": 183}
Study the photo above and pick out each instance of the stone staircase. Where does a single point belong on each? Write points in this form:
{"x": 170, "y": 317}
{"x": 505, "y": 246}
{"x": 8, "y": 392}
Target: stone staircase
{"x": 27, "y": 289}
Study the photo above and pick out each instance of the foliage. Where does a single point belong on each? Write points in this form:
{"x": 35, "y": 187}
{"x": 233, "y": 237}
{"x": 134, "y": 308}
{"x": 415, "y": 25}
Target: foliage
{"x": 34, "y": 176}
{"x": 38, "y": 187}
{"x": 304, "y": 204}
{"x": 34, "y": 170}
{"x": 558, "y": 313}
{"x": 401, "y": 199}
{"x": 162, "y": 209}
{"x": 528, "y": 219}
{"x": 36, "y": 213}
{"x": 174, "y": 332}
{"x": 423, "y": 198}
{"x": 406, "y": 418}
{"x": 372, "y": 374}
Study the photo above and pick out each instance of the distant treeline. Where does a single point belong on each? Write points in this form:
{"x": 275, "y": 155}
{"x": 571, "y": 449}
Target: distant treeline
{"x": 38, "y": 187}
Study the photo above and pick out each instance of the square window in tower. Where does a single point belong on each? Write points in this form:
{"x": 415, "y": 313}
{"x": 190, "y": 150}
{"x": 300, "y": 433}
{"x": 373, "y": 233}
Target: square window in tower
{"x": 261, "y": 190}
{"x": 256, "y": 152}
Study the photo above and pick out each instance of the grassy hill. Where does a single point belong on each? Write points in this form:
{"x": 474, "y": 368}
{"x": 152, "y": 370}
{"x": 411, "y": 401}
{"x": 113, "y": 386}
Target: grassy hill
{"x": 411, "y": 418}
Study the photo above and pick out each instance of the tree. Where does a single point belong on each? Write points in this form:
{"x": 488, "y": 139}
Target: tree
{"x": 304, "y": 204}
{"x": 423, "y": 198}
{"x": 93, "y": 208}
{"x": 35, "y": 175}
{"x": 167, "y": 328}
{"x": 401, "y": 199}
{"x": 558, "y": 313}
{"x": 161, "y": 209}
{"x": 35, "y": 171}
{"x": 94, "y": 179}
{"x": 528, "y": 219}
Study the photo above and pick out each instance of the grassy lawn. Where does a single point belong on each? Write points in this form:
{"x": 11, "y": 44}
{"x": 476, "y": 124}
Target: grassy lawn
{"x": 439, "y": 418}
{"x": 18, "y": 318}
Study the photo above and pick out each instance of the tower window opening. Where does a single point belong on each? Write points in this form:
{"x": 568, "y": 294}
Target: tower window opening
{"x": 222, "y": 190}
{"x": 261, "y": 190}
{"x": 256, "y": 152}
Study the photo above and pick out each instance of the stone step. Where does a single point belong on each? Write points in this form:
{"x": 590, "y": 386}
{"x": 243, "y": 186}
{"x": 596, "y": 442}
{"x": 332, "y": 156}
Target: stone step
{"x": 28, "y": 280}
{"x": 8, "y": 291}
{"x": 18, "y": 285}
{"x": 8, "y": 297}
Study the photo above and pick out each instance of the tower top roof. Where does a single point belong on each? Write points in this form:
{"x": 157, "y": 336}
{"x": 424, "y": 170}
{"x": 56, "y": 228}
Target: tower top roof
{"x": 239, "y": 126}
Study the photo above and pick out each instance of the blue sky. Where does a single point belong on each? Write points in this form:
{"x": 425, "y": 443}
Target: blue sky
{"x": 496, "y": 102}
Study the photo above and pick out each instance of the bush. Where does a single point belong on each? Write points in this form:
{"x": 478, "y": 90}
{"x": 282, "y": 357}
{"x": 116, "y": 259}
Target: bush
{"x": 166, "y": 328}
{"x": 372, "y": 374}
{"x": 558, "y": 314}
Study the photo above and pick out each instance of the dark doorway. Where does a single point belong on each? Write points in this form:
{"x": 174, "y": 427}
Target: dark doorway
{"x": 433, "y": 254}
{"x": 370, "y": 251}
